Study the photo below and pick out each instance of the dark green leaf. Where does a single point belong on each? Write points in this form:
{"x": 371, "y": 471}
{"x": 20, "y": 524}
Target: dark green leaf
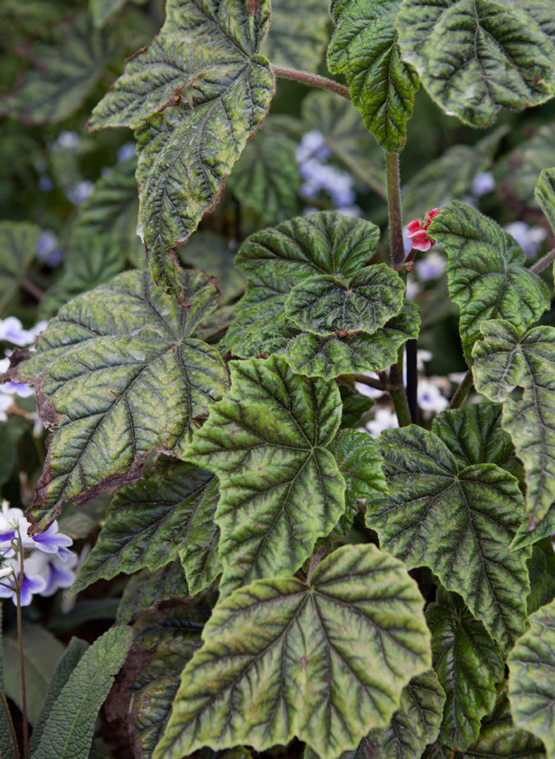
{"x": 9, "y": 437}
{"x": 325, "y": 661}
{"x": 6, "y": 741}
{"x": 541, "y": 567}
{"x": 119, "y": 374}
{"x": 153, "y": 520}
{"x": 69, "y": 730}
{"x": 469, "y": 666}
{"x": 517, "y": 172}
{"x": 531, "y": 684}
{"x": 268, "y": 441}
{"x": 545, "y": 195}
{"x": 298, "y": 33}
{"x": 211, "y": 253}
{"x": 147, "y": 589}
{"x": 459, "y": 522}
{"x": 545, "y": 528}
{"x": 486, "y": 272}
{"x": 474, "y": 56}
{"x": 508, "y": 358}
{"x": 18, "y": 247}
{"x": 364, "y": 48}
{"x": 102, "y": 10}
{"x": 354, "y": 405}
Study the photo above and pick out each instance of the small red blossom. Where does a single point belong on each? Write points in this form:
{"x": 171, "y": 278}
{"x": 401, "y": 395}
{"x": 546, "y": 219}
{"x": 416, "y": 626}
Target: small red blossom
{"x": 418, "y": 231}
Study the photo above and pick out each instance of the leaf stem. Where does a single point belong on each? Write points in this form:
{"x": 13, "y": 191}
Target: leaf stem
{"x": 462, "y": 390}
{"x": 543, "y": 263}
{"x": 6, "y": 709}
{"x": 376, "y": 384}
{"x": 21, "y": 658}
{"x": 398, "y": 255}
{"x": 399, "y": 397}
{"x": 312, "y": 80}
{"x": 32, "y": 289}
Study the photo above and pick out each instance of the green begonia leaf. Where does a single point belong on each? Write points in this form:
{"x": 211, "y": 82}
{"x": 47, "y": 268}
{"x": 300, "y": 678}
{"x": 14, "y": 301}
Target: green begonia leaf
{"x": 486, "y": 272}
{"x": 185, "y": 152}
{"x": 531, "y": 684}
{"x": 265, "y": 179}
{"x": 469, "y": 665}
{"x": 354, "y": 405}
{"x": 517, "y": 172}
{"x": 476, "y": 56}
{"x": 545, "y": 528}
{"x": 152, "y": 521}
{"x": 474, "y": 436}
{"x": 457, "y": 521}
{"x": 147, "y": 589}
{"x": 332, "y": 356}
{"x": 509, "y": 358}
{"x": 118, "y": 375}
{"x": 346, "y": 136}
{"x": 298, "y": 33}
{"x": 280, "y": 487}
{"x": 18, "y": 247}
{"x": 69, "y": 731}
{"x": 64, "y": 71}
{"x": 541, "y": 568}
{"x": 364, "y": 48}
{"x": 103, "y": 10}
{"x": 324, "y": 662}
{"x": 359, "y": 461}
{"x": 545, "y": 195}
{"x": 211, "y": 253}
{"x": 325, "y": 305}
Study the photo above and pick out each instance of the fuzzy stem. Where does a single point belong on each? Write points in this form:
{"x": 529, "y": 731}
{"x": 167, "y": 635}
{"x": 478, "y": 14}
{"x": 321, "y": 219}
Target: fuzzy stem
{"x": 21, "y": 658}
{"x": 462, "y": 390}
{"x": 312, "y": 80}
{"x": 398, "y": 255}
{"x": 543, "y": 263}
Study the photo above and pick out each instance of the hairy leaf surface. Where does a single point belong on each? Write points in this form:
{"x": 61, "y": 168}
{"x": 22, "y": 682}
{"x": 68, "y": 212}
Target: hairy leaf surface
{"x": 364, "y": 48}
{"x": 486, "y": 272}
{"x": 508, "y": 358}
{"x": 153, "y": 520}
{"x": 18, "y": 247}
{"x": 459, "y": 522}
{"x": 324, "y": 661}
{"x": 531, "y": 685}
{"x": 469, "y": 665}
{"x": 476, "y": 56}
{"x": 298, "y": 33}
{"x": 280, "y": 487}
{"x": 118, "y": 374}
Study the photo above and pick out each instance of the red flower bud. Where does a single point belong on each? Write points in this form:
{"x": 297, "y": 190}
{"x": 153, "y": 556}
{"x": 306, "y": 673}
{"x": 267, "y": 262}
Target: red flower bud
{"x": 418, "y": 231}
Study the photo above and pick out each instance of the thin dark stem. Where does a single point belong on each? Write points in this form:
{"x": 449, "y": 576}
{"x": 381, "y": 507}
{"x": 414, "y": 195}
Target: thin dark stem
{"x": 412, "y": 379}
{"x": 21, "y": 658}
{"x": 376, "y": 384}
{"x": 6, "y": 709}
{"x": 462, "y": 390}
{"x": 399, "y": 396}
{"x": 398, "y": 255}
{"x": 32, "y": 289}
{"x": 312, "y": 80}
{"x": 543, "y": 263}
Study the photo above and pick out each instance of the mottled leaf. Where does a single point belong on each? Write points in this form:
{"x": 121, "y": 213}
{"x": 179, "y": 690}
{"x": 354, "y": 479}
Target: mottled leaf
{"x": 69, "y": 731}
{"x": 102, "y": 10}
{"x": 476, "y": 56}
{"x": 354, "y": 405}
{"x": 457, "y": 521}
{"x": 211, "y": 253}
{"x": 486, "y": 272}
{"x": 152, "y": 521}
{"x": 298, "y": 33}
{"x": 265, "y": 179}
{"x": 280, "y": 487}
{"x": 541, "y": 568}
{"x": 545, "y": 195}
{"x": 147, "y": 589}
{"x": 508, "y": 358}
{"x": 118, "y": 374}
{"x": 364, "y": 48}
{"x": 469, "y": 665}
{"x": 325, "y": 305}
{"x": 518, "y": 171}
{"x": 531, "y": 684}
{"x": 18, "y": 247}
{"x": 325, "y": 661}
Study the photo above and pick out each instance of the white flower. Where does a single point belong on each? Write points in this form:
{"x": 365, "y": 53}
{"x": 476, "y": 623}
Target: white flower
{"x": 430, "y": 398}
{"x": 32, "y": 583}
{"x": 319, "y": 176}
{"x": 11, "y": 330}
{"x": 55, "y": 571}
{"x": 369, "y": 392}
{"x": 528, "y": 238}
{"x": 351, "y": 211}
{"x": 312, "y": 145}
{"x": 384, "y": 419}
{"x": 80, "y": 192}
{"x": 46, "y": 245}
{"x": 68, "y": 141}
{"x": 50, "y": 541}
{"x": 430, "y": 267}
{"x": 126, "y": 152}
{"x": 6, "y": 402}
{"x": 483, "y": 183}
{"x": 413, "y": 288}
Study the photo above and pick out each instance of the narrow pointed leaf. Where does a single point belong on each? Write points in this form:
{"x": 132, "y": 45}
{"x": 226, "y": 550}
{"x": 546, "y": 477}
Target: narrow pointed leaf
{"x": 69, "y": 730}
{"x": 149, "y": 522}
{"x": 531, "y": 683}
{"x": 298, "y": 33}
{"x": 146, "y": 590}
{"x": 459, "y": 522}
{"x": 508, "y": 358}
{"x": 476, "y": 56}
{"x": 486, "y": 272}
{"x": 323, "y": 662}
{"x": 364, "y": 48}
{"x": 18, "y": 247}
{"x": 545, "y": 195}
{"x": 327, "y": 305}
{"x": 469, "y": 665}
{"x": 118, "y": 374}
{"x": 280, "y": 487}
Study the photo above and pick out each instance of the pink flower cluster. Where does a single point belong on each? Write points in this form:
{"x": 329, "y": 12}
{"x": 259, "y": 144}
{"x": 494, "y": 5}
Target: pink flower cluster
{"x": 418, "y": 231}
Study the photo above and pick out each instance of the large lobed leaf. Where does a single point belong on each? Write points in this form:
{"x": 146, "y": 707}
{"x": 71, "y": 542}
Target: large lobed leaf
{"x": 457, "y": 521}
{"x": 364, "y": 48}
{"x": 118, "y": 374}
{"x": 476, "y": 56}
{"x": 486, "y": 272}
{"x": 324, "y": 662}
{"x": 508, "y": 358}
{"x": 280, "y": 487}
{"x": 298, "y": 33}
{"x": 195, "y": 105}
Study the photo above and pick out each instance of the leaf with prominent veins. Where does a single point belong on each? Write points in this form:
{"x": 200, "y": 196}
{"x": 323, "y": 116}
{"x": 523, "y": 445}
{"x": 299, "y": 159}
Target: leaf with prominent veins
{"x": 487, "y": 275}
{"x": 298, "y": 33}
{"x": 508, "y": 358}
{"x": 117, "y": 375}
{"x": 459, "y": 522}
{"x": 476, "y": 56}
{"x": 280, "y": 487}
{"x": 364, "y": 48}
{"x": 324, "y": 662}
